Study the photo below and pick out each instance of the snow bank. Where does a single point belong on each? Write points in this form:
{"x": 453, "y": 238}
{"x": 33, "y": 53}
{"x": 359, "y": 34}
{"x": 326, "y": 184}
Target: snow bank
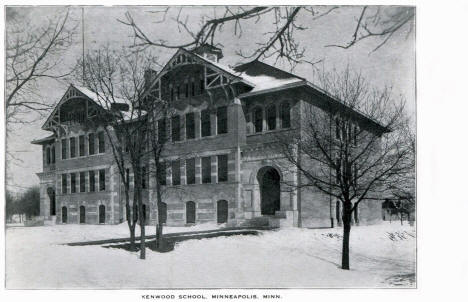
{"x": 380, "y": 256}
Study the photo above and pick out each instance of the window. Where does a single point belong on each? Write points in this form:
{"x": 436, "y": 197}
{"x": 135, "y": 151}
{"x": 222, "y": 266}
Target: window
{"x": 92, "y": 182}
{"x": 175, "y": 165}
{"x": 162, "y": 212}
{"x": 222, "y": 168}
{"x": 91, "y": 139}
{"x": 186, "y": 90}
{"x": 82, "y": 182}
{"x": 271, "y": 117}
{"x": 175, "y": 128}
{"x": 285, "y": 115}
{"x": 337, "y": 128}
{"x": 221, "y": 117}
{"x": 48, "y": 155}
{"x": 53, "y": 153}
{"x": 206, "y": 170}
{"x": 202, "y": 84}
{"x": 193, "y": 88}
{"x": 190, "y": 125}
{"x": 205, "y": 123}
{"x": 258, "y": 119}
{"x": 172, "y": 93}
{"x": 355, "y": 135}
{"x": 102, "y": 214}
{"x": 101, "y": 142}
{"x": 81, "y": 145}
{"x": 143, "y": 177}
{"x": 72, "y": 147}
{"x": 64, "y": 148}
{"x": 162, "y": 130}
{"x": 190, "y": 210}
{"x": 178, "y": 92}
{"x": 73, "y": 182}
{"x": 64, "y": 184}
{"x": 102, "y": 180}
{"x": 190, "y": 170}
{"x": 161, "y": 173}
{"x": 338, "y": 170}
{"x": 82, "y": 214}
{"x": 64, "y": 215}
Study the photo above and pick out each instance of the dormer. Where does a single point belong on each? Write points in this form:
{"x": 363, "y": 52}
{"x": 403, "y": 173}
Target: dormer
{"x": 209, "y": 52}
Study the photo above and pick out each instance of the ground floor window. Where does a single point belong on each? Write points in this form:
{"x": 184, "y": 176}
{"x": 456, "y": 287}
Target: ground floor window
{"x": 222, "y": 211}
{"x": 64, "y": 215}
{"x": 82, "y": 214}
{"x": 190, "y": 212}
{"x": 102, "y": 214}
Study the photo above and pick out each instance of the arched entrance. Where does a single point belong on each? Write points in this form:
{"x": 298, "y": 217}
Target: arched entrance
{"x": 51, "y": 193}
{"x": 222, "y": 211}
{"x": 270, "y": 194}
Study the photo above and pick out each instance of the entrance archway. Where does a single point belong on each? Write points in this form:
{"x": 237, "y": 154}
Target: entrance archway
{"x": 190, "y": 212}
{"x": 51, "y": 193}
{"x": 270, "y": 194}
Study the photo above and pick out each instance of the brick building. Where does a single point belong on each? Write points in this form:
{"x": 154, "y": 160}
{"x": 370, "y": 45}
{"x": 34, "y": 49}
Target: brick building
{"x": 221, "y": 164}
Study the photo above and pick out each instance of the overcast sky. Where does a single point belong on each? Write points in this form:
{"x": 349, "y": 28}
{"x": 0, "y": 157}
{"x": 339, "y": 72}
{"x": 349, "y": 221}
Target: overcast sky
{"x": 393, "y": 64}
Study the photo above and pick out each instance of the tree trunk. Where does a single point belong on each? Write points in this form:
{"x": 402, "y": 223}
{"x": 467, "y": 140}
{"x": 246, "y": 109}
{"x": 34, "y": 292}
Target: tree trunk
{"x": 159, "y": 225}
{"x": 141, "y": 217}
{"x": 346, "y": 232}
{"x": 132, "y": 238}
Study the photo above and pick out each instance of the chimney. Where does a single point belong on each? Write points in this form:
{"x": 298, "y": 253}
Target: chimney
{"x": 209, "y": 52}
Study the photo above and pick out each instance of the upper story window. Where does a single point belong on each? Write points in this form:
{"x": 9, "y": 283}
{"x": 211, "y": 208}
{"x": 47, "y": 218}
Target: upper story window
{"x": 271, "y": 117}
{"x": 285, "y": 115}
{"x": 91, "y": 148}
{"x": 206, "y": 169}
{"x": 82, "y": 182}
{"x": 48, "y": 156}
{"x": 186, "y": 90}
{"x": 175, "y": 166}
{"x": 73, "y": 182}
{"x": 92, "y": 181}
{"x": 64, "y": 184}
{"x": 81, "y": 142}
{"x": 102, "y": 180}
{"x": 190, "y": 125}
{"x": 161, "y": 173}
{"x": 221, "y": 118}
{"x": 64, "y": 148}
{"x": 337, "y": 128}
{"x": 162, "y": 130}
{"x": 72, "y": 147}
{"x": 222, "y": 168}
{"x": 202, "y": 84}
{"x": 178, "y": 92}
{"x": 192, "y": 87}
{"x": 205, "y": 123}
{"x": 172, "y": 93}
{"x": 53, "y": 153}
{"x": 258, "y": 119}
{"x": 101, "y": 142}
{"x": 175, "y": 128}
{"x": 190, "y": 170}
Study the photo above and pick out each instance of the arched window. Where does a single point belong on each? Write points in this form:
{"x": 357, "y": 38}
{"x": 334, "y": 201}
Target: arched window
{"x": 102, "y": 214}
{"x": 190, "y": 212}
{"x": 285, "y": 115}
{"x": 82, "y": 214}
{"x": 162, "y": 212}
{"x": 258, "y": 119}
{"x": 222, "y": 211}
{"x": 48, "y": 155}
{"x": 271, "y": 117}
{"x": 64, "y": 215}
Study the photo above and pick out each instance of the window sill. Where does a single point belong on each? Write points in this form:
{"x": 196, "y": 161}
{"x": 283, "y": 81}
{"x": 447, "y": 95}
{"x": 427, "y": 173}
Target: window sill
{"x": 269, "y": 131}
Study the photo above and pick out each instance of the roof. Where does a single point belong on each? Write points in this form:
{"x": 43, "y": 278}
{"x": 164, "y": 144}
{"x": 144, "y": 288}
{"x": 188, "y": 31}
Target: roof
{"x": 40, "y": 141}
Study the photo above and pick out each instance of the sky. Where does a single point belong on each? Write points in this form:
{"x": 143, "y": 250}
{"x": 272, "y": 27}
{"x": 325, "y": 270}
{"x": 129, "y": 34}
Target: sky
{"x": 391, "y": 65}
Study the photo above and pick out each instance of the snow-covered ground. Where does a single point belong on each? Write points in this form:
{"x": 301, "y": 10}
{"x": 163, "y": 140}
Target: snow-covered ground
{"x": 381, "y": 256}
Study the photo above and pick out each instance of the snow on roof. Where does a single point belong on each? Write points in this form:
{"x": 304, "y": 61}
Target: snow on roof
{"x": 39, "y": 141}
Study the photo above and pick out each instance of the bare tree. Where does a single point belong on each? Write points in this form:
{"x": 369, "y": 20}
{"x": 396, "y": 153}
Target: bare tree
{"x": 33, "y": 52}
{"x": 350, "y": 151}
{"x": 280, "y": 42}
{"x": 117, "y": 80}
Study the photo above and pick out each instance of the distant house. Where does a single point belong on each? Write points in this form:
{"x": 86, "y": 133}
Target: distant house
{"x": 220, "y": 159}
